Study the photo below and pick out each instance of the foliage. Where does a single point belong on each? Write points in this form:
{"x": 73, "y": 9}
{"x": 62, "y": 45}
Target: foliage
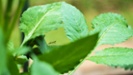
{"x": 42, "y": 68}
{"x": 2, "y": 52}
{"x": 70, "y": 51}
{"x": 113, "y": 29}
{"x": 39, "y": 20}
{"x": 109, "y": 28}
{"x": 116, "y": 57}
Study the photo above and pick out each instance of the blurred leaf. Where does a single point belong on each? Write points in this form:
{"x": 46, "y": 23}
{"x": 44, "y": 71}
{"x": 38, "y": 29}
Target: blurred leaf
{"x": 38, "y": 45}
{"x": 10, "y": 46}
{"x": 115, "y": 33}
{"x": 104, "y": 20}
{"x": 24, "y": 74}
{"x": 65, "y": 58}
{"x": 113, "y": 28}
{"x": 21, "y": 50}
{"x": 75, "y": 24}
{"x": 17, "y": 51}
{"x": 39, "y": 20}
{"x": 21, "y": 59}
{"x": 42, "y": 68}
{"x": 41, "y": 43}
{"x": 6, "y": 72}
{"x": 2, "y": 52}
{"x": 116, "y": 57}
{"x": 12, "y": 66}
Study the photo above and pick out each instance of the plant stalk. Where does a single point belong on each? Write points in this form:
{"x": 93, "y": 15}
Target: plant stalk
{"x": 1, "y": 14}
{"x": 7, "y": 15}
{"x": 15, "y": 18}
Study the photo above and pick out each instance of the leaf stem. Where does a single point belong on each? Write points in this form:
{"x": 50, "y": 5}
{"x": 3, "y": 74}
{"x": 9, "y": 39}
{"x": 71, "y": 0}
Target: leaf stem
{"x": 7, "y": 15}
{"x": 24, "y": 41}
{"x": 17, "y": 14}
{"x": 1, "y": 14}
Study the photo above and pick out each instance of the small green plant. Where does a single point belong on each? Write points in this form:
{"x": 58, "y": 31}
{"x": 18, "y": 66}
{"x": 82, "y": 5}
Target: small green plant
{"x": 108, "y": 28}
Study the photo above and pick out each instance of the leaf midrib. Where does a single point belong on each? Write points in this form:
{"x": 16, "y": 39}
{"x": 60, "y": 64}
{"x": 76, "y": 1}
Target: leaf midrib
{"x": 36, "y": 26}
{"x": 104, "y": 33}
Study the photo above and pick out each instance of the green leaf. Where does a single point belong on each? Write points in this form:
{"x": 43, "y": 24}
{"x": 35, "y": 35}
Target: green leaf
{"x": 116, "y": 57}
{"x": 24, "y": 74}
{"x": 42, "y": 45}
{"x": 21, "y": 59}
{"x": 115, "y": 33}
{"x": 42, "y": 68}
{"x": 67, "y": 57}
{"x": 75, "y": 24}
{"x": 107, "y": 19}
{"x": 12, "y": 66}
{"x": 38, "y": 45}
{"x": 21, "y": 51}
{"x": 39, "y": 20}
{"x": 113, "y": 28}
{"x": 2, "y": 52}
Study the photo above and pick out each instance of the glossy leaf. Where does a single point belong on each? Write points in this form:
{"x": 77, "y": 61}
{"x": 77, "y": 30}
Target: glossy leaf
{"x": 39, "y": 20}
{"x": 116, "y": 57}
{"x": 67, "y": 57}
{"x": 42, "y": 68}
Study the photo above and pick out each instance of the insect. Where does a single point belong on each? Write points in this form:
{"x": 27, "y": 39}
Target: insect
{"x": 53, "y": 42}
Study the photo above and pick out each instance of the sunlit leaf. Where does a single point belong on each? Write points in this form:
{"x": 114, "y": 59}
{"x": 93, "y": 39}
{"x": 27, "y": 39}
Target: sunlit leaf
{"x": 39, "y": 20}
{"x": 74, "y": 22}
{"x": 113, "y": 28}
{"x": 115, "y": 33}
{"x": 103, "y": 20}
{"x": 116, "y": 57}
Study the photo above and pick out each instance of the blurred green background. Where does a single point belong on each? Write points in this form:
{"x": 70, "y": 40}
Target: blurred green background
{"x": 90, "y": 9}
